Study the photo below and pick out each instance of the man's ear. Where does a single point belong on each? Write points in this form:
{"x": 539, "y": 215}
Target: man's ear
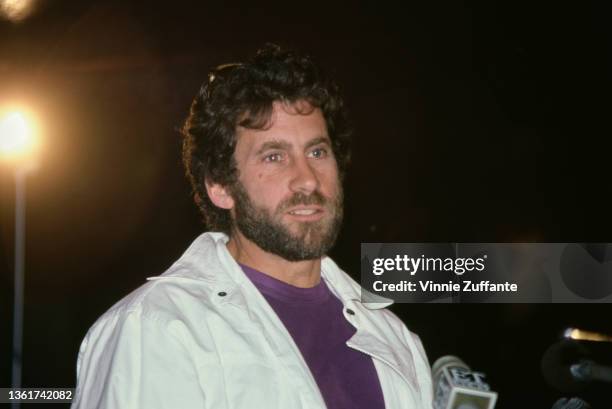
{"x": 219, "y": 195}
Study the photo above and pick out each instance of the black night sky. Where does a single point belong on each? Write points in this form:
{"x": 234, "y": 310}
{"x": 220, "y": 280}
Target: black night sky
{"x": 475, "y": 122}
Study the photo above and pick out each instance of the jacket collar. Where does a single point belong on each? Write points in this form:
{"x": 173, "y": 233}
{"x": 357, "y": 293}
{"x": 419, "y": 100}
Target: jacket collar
{"x": 208, "y": 259}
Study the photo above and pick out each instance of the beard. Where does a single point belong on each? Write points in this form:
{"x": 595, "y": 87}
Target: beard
{"x": 265, "y": 228}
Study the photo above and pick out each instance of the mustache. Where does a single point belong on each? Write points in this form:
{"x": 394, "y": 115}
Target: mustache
{"x": 315, "y": 198}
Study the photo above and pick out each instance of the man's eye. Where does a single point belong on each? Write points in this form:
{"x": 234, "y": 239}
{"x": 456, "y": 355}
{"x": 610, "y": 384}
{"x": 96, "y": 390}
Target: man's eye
{"x": 273, "y": 157}
{"x": 318, "y": 153}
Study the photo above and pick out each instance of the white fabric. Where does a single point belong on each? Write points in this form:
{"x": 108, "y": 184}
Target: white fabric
{"x": 202, "y": 336}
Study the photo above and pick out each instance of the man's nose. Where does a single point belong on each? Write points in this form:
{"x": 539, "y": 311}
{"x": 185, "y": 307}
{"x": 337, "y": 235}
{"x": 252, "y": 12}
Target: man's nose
{"x": 304, "y": 178}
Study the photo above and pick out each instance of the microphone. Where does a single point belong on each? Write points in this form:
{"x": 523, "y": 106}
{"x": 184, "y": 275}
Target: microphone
{"x": 565, "y": 367}
{"x": 573, "y": 403}
{"x": 457, "y": 387}
{"x": 587, "y": 370}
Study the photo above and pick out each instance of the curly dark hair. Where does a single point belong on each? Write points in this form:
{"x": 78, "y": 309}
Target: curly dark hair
{"x": 243, "y": 95}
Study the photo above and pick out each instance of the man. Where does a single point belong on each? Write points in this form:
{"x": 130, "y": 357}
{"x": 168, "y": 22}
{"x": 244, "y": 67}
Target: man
{"x": 255, "y": 315}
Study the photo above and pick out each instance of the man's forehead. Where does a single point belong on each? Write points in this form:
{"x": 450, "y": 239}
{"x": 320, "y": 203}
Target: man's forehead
{"x": 298, "y": 122}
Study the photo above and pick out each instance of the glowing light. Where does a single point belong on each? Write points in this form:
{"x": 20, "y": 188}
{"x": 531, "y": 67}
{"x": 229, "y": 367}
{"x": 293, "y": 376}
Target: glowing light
{"x": 16, "y": 10}
{"x": 17, "y": 136}
{"x": 581, "y": 335}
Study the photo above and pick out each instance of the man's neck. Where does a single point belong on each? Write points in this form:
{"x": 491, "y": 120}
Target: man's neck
{"x": 304, "y": 274}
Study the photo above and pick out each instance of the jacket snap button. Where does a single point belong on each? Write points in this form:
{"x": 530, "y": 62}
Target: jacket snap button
{"x": 222, "y": 294}
{"x": 350, "y": 312}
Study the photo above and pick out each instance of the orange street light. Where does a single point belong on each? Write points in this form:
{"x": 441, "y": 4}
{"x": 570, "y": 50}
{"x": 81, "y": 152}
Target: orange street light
{"x": 18, "y": 145}
{"x": 18, "y": 138}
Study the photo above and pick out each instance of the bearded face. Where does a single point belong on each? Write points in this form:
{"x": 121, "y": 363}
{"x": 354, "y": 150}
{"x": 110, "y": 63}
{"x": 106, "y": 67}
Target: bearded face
{"x": 275, "y": 231}
{"x": 287, "y": 198}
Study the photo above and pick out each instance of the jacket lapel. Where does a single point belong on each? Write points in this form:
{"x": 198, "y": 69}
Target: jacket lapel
{"x": 397, "y": 356}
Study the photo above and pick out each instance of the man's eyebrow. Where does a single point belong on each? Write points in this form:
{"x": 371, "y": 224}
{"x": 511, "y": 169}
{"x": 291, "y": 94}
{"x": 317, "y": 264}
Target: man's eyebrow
{"x": 275, "y": 144}
{"x": 317, "y": 141}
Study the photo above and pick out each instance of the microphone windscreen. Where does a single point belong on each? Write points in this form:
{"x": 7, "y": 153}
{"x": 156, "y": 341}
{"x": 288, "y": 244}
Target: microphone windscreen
{"x": 573, "y": 403}
{"x": 556, "y": 363}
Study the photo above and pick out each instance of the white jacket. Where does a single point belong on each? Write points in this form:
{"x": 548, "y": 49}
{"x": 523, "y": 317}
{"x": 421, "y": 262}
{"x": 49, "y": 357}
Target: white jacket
{"x": 202, "y": 336}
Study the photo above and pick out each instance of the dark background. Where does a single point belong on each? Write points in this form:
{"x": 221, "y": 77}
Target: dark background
{"x": 475, "y": 122}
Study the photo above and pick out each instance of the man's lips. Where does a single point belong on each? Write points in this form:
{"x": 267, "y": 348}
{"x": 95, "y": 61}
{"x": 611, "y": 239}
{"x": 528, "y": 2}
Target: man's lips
{"x": 306, "y": 212}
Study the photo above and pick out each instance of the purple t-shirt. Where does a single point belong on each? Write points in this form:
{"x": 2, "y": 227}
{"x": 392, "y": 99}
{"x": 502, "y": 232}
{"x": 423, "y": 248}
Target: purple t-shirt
{"x": 313, "y": 316}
